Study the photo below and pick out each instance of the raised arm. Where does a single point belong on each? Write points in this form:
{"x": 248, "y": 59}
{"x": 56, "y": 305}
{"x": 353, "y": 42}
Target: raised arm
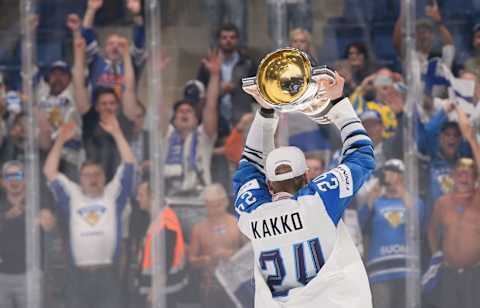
{"x": 398, "y": 33}
{"x": 433, "y": 12}
{"x": 50, "y": 169}
{"x": 92, "y": 7}
{"x": 469, "y": 134}
{"x": 110, "y": 124}
{"x": 74, "y": 23}
{"x": 92, "y": 49}
{"x": 137, "y": 49}
{"x": 82, "y": 99}
{"x": 428, "y": 135}
{"x": 210, "y": 112}
{"x": 45, "y": 130}
{"x": 338, "y": 186}
{"x": 129, "y": 99}
{"x": 249, "y": 182}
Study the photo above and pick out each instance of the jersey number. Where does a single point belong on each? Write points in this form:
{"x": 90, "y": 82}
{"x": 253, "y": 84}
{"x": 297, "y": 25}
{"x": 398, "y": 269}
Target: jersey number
{"x": 275, "y": 257}
{"x": 248, "y": 199}
{"x": 323, "y": 184}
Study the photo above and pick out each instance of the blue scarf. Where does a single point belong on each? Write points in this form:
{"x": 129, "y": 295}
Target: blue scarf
{"x": 175, "y": 150}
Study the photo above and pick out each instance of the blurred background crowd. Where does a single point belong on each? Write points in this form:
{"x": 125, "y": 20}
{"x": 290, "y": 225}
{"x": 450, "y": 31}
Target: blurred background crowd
{"x": 91, "y": 103}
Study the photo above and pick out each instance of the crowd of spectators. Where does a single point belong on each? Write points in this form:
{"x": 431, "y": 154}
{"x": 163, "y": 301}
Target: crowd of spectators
{"x": 93, "y": 145}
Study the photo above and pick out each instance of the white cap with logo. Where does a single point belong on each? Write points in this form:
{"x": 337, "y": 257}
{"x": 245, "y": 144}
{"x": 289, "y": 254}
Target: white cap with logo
{"x": 290, "y": 156}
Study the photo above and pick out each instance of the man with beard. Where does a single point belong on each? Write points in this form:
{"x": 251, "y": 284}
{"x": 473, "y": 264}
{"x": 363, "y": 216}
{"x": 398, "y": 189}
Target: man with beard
{"x": 234, "y": 65}
{"x": 57, "y": 105}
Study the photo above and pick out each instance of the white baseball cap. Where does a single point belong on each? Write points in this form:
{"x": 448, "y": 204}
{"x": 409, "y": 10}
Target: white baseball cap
{"x": 290, "y": 156}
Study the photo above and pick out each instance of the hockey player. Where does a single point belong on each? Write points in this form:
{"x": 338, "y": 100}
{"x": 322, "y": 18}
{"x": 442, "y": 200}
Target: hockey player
{"x": 304, "y": 256}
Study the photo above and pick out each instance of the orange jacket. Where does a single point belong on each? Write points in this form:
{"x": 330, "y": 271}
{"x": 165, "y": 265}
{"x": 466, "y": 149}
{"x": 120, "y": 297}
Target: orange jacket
{"x": 234, "y": 146}
{"x": 176, "y": 277}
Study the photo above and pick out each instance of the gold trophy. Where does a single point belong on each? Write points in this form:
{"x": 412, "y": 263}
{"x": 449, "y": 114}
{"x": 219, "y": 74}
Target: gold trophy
{"x": 287, "y": 82}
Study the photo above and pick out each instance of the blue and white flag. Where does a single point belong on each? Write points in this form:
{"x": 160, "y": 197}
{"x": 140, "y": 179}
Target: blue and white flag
{"x": 436, "y": 75}
{"x": 460, "y": 91}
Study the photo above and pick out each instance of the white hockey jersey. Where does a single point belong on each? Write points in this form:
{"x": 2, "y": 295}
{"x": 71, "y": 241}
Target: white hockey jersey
{"x": 304, "y": 256}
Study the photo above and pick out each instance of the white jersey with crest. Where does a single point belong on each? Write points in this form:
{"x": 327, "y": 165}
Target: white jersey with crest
{"x": 304, "y": 256}
{"x": 95, "y": 224}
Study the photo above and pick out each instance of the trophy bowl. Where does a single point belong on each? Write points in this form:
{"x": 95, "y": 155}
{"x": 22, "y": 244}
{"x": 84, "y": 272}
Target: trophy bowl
{"x": 287, "y": 81}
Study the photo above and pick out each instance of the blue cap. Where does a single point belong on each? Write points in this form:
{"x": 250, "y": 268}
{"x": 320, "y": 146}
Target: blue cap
{"x": 194, "y": 91}
{"x": 62, "y": 65}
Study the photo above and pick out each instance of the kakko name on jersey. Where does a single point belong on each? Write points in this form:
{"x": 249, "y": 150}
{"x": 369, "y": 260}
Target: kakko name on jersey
{"x": 276, "y": 225}
{"x": 304, "y": 256}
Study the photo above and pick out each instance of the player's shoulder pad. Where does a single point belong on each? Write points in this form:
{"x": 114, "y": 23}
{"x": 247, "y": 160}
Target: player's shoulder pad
{"x": 251, "y": 195}
{"x": 250, "y": 188}
{"x": 338, "y": 181}
{"x": 335, "y": 188}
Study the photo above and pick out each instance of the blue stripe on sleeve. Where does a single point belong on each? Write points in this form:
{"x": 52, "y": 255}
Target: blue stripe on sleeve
{"x": 89, "y": 36}
{"x": 126, "y": 186}
{"x": 139, "y": 36}
{"x": 62, "y": 198}
{"x": 250, "y": 188}
{"x": 337, "y": 187}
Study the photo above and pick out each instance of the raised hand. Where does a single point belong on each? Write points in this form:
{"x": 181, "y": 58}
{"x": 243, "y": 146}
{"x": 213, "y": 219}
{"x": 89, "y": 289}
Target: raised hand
{"x": 134, "y": 6}
{"x": 95, "y": 4}
{"x": 67, "y": 131}
{"x": 228, "y": 87}
{"x": 335, "y": 90}
{"x": 74, "y": 23}
{"x": 244, "y": 122}
{"x": 109, "y": 123}
{"x": 213, "y": 62}
{"x": 46, "y": 220}
{"x": 368, "y": 81}
{"x": 79, "y": 43}
{"x": 253, "y": 91}
{"x": 433, "y": 12}
{"x": 465, "y": 127}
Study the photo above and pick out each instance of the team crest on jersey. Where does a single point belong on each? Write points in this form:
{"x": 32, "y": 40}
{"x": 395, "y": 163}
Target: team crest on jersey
{"x": 92, "y": 214}
{"x": 394, "y": 218}
{"x": 446, "y": 183}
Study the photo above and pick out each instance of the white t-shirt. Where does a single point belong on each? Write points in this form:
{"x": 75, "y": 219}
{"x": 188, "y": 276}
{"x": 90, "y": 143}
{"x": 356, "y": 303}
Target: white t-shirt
{"x": 61, "y": 109}
{"x": 94, "y": 223}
